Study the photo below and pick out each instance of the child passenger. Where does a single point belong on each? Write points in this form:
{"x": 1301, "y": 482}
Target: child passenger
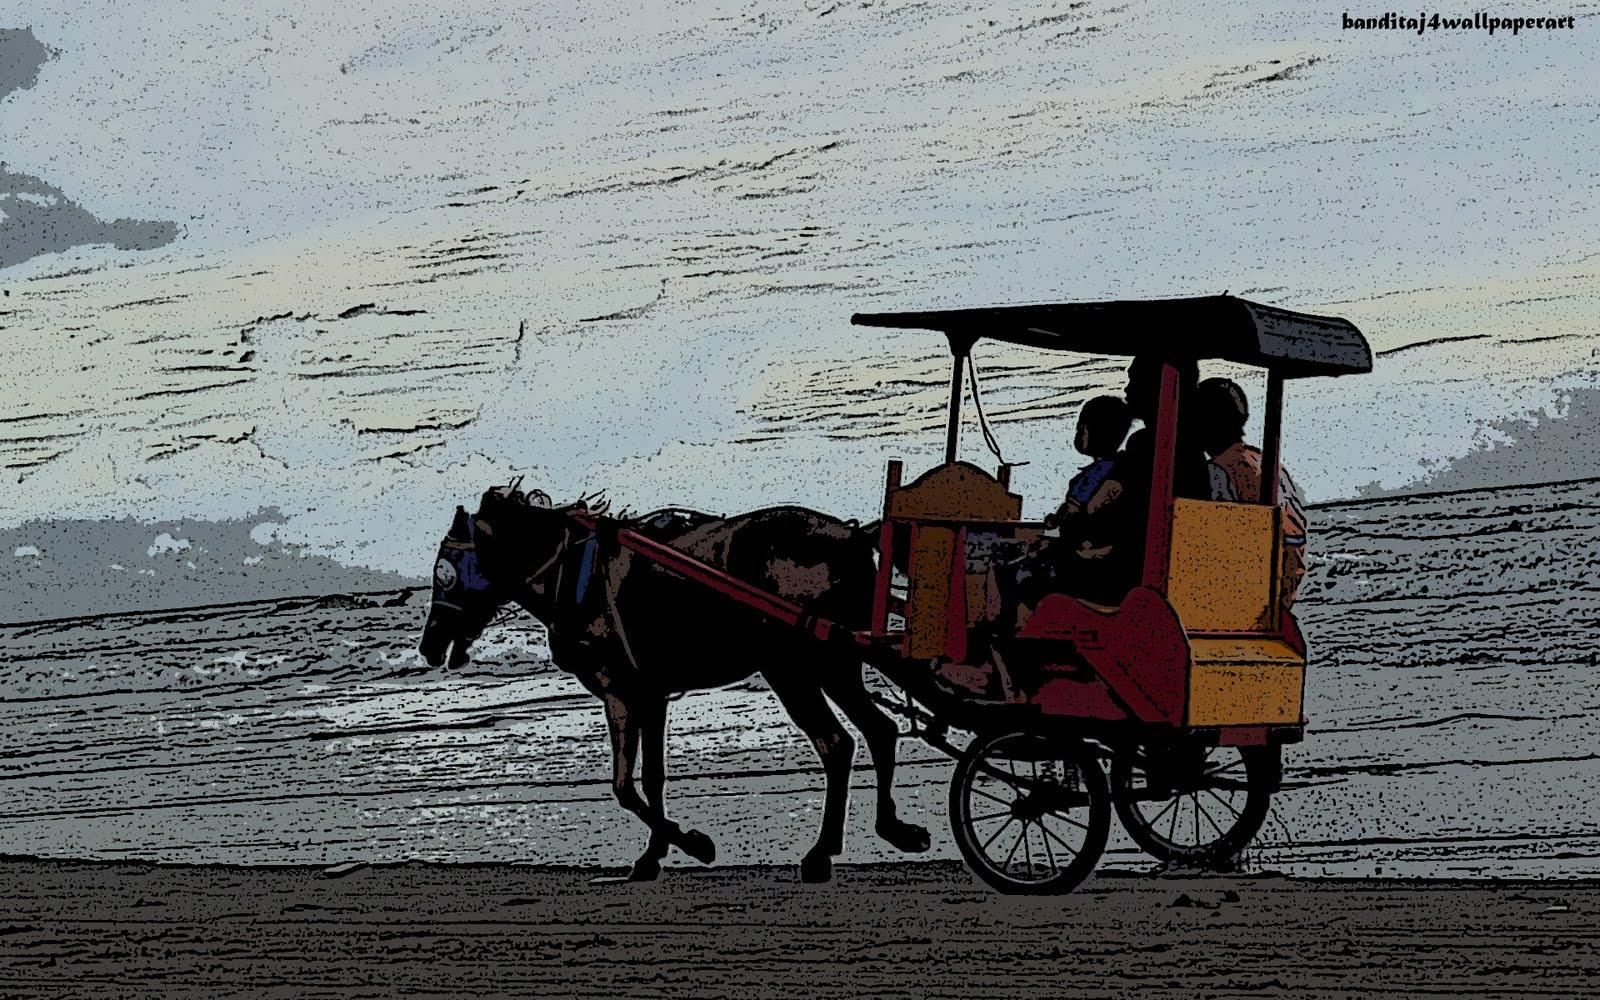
{"x": 1054, "y": 564}
{"x": 1102, "y": 424}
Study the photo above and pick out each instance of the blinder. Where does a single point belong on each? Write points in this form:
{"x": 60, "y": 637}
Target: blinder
{"x": 456, "y": 571}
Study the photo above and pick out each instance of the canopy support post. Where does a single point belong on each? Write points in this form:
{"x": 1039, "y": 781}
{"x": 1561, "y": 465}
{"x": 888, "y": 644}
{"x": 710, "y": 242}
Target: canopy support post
{"x": 960, "y": 347}
{"x": 1158, "y": 526}
{"x": 1271, "y": 439}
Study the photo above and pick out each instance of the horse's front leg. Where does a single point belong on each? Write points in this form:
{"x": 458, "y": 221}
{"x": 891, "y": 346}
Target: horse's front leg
{"x": 623, "y": 722}
{"x": 653, "y": 775}
{"x": 843, "y": 683}
{"x": 809, "y": 709}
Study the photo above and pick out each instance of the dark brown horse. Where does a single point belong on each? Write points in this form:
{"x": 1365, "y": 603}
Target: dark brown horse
{"x": 634, "y": 635}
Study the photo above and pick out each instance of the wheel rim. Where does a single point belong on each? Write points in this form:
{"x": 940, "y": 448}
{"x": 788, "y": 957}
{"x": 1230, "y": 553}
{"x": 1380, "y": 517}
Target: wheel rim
{"x": 1198, "y": 804}
{"x": 1026, "y": 811}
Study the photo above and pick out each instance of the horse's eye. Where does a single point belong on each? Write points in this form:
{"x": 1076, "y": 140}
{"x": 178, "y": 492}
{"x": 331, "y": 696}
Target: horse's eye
{"x": 444, "y": 573}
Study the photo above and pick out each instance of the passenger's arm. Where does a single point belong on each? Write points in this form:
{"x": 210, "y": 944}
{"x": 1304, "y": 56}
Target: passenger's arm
{"x": 1108, "y": 493}
{"x": 1221, "y": 489}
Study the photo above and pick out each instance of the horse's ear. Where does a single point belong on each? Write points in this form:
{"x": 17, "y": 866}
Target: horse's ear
{"x": 458, "y": 527}
{"x": 539, "y": 498}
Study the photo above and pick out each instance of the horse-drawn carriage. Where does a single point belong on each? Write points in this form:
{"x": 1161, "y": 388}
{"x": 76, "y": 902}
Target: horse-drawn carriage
{"x": 1171, "y": 707}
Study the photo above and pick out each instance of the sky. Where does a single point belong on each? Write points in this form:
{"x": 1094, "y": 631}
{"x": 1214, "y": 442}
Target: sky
{"x": 354, "y": 263}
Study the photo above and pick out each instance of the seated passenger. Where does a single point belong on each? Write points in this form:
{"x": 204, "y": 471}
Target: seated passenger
{"x": 1101, "y": 552}
{"x": 1102, "y": 424}
{"x": 1119, "y": 511}
{"x": 1236, "y": 471}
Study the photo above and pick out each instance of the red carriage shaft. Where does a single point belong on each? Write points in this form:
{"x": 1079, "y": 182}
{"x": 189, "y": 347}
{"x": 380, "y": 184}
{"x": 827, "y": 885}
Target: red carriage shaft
{"x": 730, "y": 586}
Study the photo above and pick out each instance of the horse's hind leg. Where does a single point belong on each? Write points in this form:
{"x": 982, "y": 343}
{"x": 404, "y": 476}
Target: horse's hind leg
{"x": 809, "y": 710}
{"x": 847, "y": 689}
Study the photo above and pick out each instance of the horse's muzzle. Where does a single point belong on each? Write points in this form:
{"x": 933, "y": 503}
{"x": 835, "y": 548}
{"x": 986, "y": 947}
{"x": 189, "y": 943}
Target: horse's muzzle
{"x": 436, "y": 642}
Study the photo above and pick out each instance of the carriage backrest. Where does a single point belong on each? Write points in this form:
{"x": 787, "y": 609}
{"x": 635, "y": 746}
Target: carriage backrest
{"x": 938, "y": 593}
{"x": 1223, "y": 574}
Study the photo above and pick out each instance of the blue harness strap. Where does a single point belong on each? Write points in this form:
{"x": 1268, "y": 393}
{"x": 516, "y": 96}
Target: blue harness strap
{"x": 585, "y": 568}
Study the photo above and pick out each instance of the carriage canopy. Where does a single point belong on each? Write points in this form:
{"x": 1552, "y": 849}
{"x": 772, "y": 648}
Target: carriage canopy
{"x": 1223, "y": 327}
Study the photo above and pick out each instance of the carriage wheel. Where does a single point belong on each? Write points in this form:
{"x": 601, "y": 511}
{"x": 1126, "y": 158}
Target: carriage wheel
{"x": 1030, "y": 815}
{"x": 1192, "y": 804}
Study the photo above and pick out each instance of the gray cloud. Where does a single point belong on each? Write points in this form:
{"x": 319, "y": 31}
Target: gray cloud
{"x": 36, "y": 217}
{"x": 39, "y": 219}
{"x": 1534, "y": 448}
{"x": 21, "y": 57}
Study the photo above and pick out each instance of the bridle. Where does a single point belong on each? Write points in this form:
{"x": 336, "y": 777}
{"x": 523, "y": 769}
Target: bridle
{"x": 457, "y": 567}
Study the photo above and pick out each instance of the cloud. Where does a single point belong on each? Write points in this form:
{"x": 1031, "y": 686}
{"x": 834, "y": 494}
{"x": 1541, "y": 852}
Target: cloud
{"x": 39, "y": 218}
{"x": 21, "y": 57}
{"x": 73, "y": 567}
{"x": 1547, "y": 445}
{"x": 165, "y": 543}
{"x": 36, "y": 217}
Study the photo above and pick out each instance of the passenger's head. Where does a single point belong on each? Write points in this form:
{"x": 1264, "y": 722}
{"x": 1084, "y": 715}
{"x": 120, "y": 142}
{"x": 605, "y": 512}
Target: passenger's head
{"x": 1144, "y": 383}
{"x": 1102, "y": 424}
{"x": 1220, "y": 412}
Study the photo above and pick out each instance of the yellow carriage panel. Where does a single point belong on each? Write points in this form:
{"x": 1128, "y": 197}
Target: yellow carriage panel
{"x": 1244, "y": 681}
{"x": 1223, "y": 571}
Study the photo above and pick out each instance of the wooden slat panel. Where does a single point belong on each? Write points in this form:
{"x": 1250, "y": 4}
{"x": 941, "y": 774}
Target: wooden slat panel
{"x": 928, "y": 600}
{"x": 1243, "y": 694}
{"x": 955, "y": 492}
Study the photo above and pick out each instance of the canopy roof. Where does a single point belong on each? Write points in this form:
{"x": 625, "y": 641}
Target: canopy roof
{"x": 1213, "y": 326}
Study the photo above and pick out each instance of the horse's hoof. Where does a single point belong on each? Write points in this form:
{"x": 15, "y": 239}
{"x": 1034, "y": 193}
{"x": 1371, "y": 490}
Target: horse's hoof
{"x": 698, "y": 846}
{"x": 816, "y": 868}
{"x": 907, "y": 837}
{"x": 644, "y": 870}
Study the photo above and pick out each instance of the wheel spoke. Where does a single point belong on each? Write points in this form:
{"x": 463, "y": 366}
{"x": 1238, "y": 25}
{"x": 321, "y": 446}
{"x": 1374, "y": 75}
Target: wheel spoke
{"x": 999, "y": 776}
{"x": 1225, "y": 804}
{"x": 1151, "y": 823}
{"x": 996, "y": 835}
{"x": 1071, "y": 851}
{"x": 1063, "y": 817}
{"x": 1007, "y": 865}
{"x": 980, "y": 819}
{"x": 1222, "y": 768}
{"x": 1220, "y": 831}
{"x": 991, "y": 798}
{"x": 1044, "y": 837}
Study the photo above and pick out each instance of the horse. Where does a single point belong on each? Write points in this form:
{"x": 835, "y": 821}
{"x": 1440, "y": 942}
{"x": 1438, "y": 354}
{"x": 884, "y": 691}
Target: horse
{"x": 636, "y": 636}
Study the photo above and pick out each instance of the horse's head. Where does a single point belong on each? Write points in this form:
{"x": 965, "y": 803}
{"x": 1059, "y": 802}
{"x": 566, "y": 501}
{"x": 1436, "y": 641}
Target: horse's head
{"x": 504, "y": 553}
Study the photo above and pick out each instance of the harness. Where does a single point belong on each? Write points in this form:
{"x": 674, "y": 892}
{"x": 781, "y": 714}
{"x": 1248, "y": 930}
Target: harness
{"x": 591, "y": 548}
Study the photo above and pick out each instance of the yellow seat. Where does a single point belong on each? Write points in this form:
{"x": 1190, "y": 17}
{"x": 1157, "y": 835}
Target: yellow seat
{"x": 1223, "y": 583}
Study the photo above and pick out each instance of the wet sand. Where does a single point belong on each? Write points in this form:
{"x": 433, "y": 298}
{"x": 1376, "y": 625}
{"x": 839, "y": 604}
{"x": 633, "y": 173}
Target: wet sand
{"x": 98, "y": 929}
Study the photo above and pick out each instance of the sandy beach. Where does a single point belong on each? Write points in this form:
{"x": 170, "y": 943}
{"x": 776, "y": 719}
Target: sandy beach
{"x": 921, "y": 930}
